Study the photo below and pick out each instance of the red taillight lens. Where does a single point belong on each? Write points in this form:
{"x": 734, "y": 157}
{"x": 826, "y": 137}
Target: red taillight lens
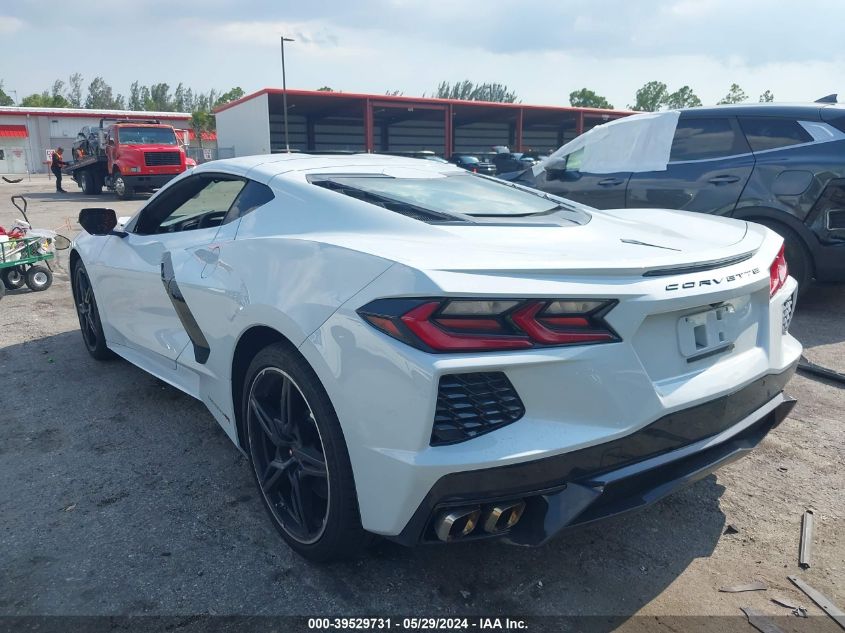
{"x": 465, "y": 325}
{"x": 778, "y": 273}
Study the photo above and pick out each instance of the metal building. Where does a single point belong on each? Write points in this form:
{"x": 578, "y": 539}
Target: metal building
{"x": 320, "y": 121}
{"x": 27, "y": 135}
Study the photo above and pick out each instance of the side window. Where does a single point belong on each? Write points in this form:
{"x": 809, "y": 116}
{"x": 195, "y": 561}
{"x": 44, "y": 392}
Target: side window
{"x": 249, "y": 199}
{"x": 702, "y": 139}
{"x": 770, "y": 133}
{"x": 198, "y": 202}
{"x": 573, "y": 161}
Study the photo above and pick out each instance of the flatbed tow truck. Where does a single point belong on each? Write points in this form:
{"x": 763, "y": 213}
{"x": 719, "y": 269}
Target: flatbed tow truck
{"x": 126, "y": 156}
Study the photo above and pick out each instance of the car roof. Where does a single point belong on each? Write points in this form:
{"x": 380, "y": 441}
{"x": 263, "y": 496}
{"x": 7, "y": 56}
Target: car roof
{"x": 789, "y": 110}
{"x": 266, "y": 166}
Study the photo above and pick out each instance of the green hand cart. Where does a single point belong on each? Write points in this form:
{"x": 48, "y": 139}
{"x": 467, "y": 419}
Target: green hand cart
{"x": 26, "y": 260}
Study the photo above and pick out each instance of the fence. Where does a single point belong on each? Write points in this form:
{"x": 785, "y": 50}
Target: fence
{"x": 205, "y": 154}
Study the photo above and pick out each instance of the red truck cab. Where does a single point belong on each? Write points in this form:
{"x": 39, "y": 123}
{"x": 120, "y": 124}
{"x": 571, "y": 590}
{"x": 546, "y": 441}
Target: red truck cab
{"x": 142, "y": 156}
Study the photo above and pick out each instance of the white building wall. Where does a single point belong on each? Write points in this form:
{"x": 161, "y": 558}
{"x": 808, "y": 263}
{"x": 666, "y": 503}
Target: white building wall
{"x": 245, "y": 127}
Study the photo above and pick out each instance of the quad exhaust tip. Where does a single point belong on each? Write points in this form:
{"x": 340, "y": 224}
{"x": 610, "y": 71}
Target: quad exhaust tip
{"x": 454, "y": 524}
{"x": 503, "y": 516}
{"x": 457, "y": 523}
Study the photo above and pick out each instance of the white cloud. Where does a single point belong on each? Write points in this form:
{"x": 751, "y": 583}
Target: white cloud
{"x": 9, "y": 24}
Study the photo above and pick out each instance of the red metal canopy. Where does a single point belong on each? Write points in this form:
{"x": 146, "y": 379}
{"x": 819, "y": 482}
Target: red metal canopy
{"x": 13, "y": 131}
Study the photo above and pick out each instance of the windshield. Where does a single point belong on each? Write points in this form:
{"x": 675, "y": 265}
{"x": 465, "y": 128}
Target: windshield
{"x": 146, "y": 136}
{"x": 467, "y": 195}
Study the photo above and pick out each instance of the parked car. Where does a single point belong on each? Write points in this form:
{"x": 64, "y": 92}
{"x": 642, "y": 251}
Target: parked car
{"x": 506, "y": 162}
{"x": 781, "y": 166}
{"x": 474, "y": 164}
{"x": 403, "y": 348}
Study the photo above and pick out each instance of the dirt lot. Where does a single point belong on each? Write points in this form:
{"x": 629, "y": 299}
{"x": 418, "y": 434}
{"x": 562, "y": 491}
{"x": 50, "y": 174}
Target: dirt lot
{"x": 120, "y": 495}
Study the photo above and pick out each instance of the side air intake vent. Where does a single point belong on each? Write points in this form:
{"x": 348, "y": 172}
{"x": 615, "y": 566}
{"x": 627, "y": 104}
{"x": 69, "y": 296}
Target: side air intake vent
{"x": 469, "y": 405}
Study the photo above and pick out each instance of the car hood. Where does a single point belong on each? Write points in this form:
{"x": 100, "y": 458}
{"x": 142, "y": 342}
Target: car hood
{"x": 632, "y": 240}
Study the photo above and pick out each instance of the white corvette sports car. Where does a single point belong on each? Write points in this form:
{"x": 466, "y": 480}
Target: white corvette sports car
{"x": 403, "y": 348}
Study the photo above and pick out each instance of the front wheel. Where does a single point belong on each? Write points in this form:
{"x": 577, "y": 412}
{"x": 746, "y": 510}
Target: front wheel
{"x": 89, "y": 315}
{"x": 38, "y": 278}
{"x": 123, "y": 190}
{"x": 299, "y": 458}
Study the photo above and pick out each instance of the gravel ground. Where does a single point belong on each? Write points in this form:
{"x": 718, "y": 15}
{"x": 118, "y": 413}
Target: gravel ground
{"x": 120, "y": 495}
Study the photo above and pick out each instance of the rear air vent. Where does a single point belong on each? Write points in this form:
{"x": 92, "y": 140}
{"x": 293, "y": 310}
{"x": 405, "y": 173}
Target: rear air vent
{"x": 469, "y": 405}
{"x": 836, "y": 219}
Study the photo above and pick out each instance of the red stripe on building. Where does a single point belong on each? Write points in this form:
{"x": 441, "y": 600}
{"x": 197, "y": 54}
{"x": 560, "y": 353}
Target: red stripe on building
{"x": 13, "y": 131}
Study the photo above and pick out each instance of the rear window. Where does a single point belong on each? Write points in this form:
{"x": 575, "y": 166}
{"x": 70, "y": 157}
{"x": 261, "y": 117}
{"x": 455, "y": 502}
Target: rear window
{"x": 468, "y": 159}
{"x": 770, "y": 133}
{"x": 702, "y": 139}
{"x": 441, "y": 197}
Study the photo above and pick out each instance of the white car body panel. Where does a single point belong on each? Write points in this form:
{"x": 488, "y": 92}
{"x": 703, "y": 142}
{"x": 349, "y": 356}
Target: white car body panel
{"x": 303, "y": 264}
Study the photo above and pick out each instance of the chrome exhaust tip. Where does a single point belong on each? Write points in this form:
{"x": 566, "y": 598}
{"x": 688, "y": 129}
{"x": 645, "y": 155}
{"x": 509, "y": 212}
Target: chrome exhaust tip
{"x": 454, "y": 524}
{"x": 503, "y": 516}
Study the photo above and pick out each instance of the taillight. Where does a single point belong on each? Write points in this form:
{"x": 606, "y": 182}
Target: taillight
{"x": 468, "y": 325}
{"x": 778, "y": 273}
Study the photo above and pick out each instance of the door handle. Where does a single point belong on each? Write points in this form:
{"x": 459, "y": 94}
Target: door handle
{"x": 724, "y": 179}
{"x": 609, "y": 182}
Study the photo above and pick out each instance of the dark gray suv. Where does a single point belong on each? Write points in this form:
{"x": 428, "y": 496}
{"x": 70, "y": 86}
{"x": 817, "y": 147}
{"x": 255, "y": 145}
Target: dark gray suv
{"x": 782, "y": 166}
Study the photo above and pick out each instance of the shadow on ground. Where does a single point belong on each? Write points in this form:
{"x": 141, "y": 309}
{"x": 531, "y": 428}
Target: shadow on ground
{"x": 122, "y": 496}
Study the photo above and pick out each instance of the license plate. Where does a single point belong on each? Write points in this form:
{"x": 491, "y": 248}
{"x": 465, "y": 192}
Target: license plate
{"x": 706, "y": 333}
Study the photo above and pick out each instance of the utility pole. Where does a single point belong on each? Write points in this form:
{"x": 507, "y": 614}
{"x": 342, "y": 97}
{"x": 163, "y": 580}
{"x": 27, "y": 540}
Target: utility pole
{"x": 285, "y": 93}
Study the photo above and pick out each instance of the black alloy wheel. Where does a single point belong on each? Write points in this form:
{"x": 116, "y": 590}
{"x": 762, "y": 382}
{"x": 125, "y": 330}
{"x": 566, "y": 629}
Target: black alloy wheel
{"x": 89, "y": 316}
{"x": 299, "y": 458}
{"x": 288, "y": 455}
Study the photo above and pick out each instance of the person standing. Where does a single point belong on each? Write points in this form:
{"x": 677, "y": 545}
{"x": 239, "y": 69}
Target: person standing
{"x": 56, "y": 167}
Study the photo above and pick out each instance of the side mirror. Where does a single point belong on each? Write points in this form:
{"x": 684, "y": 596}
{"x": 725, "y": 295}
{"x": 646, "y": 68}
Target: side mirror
{"x": 98, "y": 221}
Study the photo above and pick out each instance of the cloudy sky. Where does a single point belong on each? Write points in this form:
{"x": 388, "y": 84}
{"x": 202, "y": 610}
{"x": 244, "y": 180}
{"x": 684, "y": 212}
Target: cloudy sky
{"x": 542, "y": 49}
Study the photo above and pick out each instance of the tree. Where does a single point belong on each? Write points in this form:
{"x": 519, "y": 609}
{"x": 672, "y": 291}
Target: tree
{"x": 767, "y": 97}
{"x": 394, "y": 93}
{"x": 651, "y": 97}
{"x": 468, "y": 91}
{"x": 683, "y": 97}
{"x": 45, "y": 99}
{"x": 74, "y": 95}
{"x": 735, "y": 95}
{"x": 183, "y": 99}
{"x": 5, "y": 100}
{"x": 100, "y": 96}
{"x": 586, "y": 98}
{"x": 159, "y": 98}
{"x": 232, "y": 95}
{"x": 324, "y": 89}
{"x": 202, "y": 121}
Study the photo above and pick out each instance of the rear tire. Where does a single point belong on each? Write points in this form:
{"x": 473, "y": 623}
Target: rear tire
{"x": 88, "y": 182}
{"x": 89, "y": 314}
{"x": 38, "y": 278}
{"x": 298, "y": 457}
{"x": 798, "y": 258}
{"x": 13, "y": 278}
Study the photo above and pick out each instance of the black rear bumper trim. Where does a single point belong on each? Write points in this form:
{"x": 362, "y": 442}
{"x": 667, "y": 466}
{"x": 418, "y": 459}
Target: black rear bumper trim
{"x": 602, "y": 480}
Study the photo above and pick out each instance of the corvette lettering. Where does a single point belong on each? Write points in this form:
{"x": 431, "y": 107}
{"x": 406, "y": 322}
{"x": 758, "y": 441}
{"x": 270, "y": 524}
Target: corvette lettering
{"x": 714, "y": 281}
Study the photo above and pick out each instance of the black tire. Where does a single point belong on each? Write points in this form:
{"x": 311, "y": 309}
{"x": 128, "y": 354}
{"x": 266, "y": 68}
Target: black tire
{"x": 798, "y": 258}
{"x": 38, "y": 278}
{"x": 88, "y": 182}
{"x": 2, "y": 291}
{"x": 121, "y": 189}
{"x": 88, "y": 314}
{"x": 285, "y": 454}
{"x": 13, "y": 278}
